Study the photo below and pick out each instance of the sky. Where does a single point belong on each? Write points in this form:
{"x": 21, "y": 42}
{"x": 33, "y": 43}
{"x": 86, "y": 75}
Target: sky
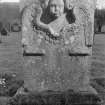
{"x": 9, "y": 0}
{"x": 100, "y": 3}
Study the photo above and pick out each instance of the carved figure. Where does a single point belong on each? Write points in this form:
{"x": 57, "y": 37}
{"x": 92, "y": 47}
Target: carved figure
{"x": 56, "y": 9}
{"x": 32, "y": 14}
{"x": 37, "y": 16}
{"x": 56, "y": 23}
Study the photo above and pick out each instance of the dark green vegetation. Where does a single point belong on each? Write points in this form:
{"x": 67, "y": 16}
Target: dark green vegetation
{"x": 99, "y": 19}
{"x": 9, "y": 84}
{"x": 55, "y": 98}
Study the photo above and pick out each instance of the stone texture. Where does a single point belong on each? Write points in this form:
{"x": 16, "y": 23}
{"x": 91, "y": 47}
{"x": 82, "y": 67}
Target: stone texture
{"x": 56, "y": 56}
{"x": 55, "y": 98}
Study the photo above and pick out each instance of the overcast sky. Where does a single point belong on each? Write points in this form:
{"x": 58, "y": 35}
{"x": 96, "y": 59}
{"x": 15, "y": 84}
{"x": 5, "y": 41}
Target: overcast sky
{"x": 9, "y": 0}
{"x": 100, "y": 3}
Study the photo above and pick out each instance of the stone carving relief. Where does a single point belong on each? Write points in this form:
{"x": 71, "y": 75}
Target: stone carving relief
{"x": 70, "y": 26}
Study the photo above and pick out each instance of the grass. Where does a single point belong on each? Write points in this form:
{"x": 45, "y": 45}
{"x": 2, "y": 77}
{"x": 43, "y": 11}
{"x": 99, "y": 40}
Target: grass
{"x": 9, "y": 84}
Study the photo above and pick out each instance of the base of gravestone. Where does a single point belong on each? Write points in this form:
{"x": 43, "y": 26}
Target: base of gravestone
{"x": 49, "y": 97}
{"x": 57, "y": 71}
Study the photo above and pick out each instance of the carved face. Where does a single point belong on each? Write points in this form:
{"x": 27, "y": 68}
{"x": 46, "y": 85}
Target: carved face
{"x": 56, "y": 7}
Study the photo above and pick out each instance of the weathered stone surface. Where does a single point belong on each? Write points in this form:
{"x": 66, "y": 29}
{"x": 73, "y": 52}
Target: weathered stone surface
{"x": 55, "y": 98}
{"x": 57, "y": 42}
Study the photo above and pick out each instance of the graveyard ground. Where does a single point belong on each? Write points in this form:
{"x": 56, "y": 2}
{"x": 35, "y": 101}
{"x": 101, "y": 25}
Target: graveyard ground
{"x": 10, "y": 59}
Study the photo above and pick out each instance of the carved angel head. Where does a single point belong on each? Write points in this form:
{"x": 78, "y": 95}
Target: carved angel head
{"x": 56, "y": 7}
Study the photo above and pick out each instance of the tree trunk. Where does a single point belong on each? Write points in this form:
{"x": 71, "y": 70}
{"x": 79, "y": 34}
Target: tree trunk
{"x": 99, "y": 28}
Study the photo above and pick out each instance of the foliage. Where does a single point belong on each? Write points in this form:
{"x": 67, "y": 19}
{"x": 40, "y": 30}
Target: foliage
{"x": 100, "y": 18}
{"x": 9, "y": 84}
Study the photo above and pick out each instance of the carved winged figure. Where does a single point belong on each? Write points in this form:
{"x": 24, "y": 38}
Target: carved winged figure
{"x": 32, "y": 14}
{"x": 52, "y": 17}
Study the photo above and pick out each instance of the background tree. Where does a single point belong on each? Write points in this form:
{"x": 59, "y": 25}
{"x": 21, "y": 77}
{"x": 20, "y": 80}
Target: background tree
{"x": 99, "y": 18}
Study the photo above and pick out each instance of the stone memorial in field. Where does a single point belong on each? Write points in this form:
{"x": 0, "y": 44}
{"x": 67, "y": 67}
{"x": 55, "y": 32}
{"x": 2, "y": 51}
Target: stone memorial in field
{"x": 57, "y": 39}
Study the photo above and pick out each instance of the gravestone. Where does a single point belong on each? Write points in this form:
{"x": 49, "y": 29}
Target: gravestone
{"x": 57, "y": 38}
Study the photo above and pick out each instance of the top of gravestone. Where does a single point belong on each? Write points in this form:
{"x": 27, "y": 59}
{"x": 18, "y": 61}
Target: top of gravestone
{"x": 91, "y": 3}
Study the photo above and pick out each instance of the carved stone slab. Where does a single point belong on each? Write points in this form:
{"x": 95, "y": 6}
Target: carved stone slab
{"x": 57, "y": 44}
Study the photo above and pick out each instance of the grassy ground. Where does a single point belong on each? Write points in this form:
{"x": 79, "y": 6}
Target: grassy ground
{"x": 98, "y": 64}
{"x": 98, "y": 58}
{"x": 10, "y": 54}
